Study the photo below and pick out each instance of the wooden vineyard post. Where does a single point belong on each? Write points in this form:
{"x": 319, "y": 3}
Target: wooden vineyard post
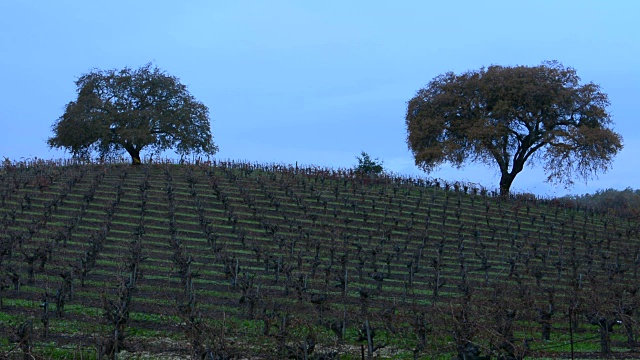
{"x": 344, "y": 305}
{"x": 45, "y": 315}
{"x": 571, "y": 329}
{"x": 369, "y": 340}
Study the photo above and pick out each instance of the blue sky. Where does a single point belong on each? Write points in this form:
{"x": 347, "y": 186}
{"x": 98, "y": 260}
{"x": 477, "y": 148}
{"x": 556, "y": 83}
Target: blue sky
{"x": 315, "y": 82}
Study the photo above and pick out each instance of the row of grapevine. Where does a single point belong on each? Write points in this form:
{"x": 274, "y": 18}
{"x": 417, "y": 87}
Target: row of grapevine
{"x": 322, "y": 262}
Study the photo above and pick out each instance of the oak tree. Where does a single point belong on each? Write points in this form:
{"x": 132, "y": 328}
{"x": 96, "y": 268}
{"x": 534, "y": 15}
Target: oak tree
{"x": 130, "y": 110}
{"x": 511, "y": 116}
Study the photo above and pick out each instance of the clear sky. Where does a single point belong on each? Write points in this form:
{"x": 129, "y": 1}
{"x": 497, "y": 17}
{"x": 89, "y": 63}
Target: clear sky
{"x": 315, "y": 82}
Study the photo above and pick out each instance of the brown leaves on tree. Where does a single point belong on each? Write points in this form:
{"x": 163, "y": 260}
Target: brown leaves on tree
{"x": 510, "y": 116}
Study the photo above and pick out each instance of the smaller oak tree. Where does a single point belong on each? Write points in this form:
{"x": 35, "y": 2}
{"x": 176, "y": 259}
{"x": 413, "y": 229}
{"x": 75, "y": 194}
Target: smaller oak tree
{"x": 130, "y": 110}
{"x": 510, "y": 116}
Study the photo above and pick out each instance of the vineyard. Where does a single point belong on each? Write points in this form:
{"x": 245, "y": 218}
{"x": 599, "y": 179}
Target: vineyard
{"x": 233, "y": 260}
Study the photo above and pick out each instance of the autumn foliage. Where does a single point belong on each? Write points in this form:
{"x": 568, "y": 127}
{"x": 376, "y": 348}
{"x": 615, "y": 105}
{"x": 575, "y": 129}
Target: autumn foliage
{"x": 508, "y": 117}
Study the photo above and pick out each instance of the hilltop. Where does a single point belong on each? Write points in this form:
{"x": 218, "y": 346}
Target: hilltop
{"x": 233, "y": 260}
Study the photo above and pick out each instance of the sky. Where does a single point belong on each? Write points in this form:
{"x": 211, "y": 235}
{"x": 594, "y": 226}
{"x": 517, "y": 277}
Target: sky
{"x": 315, "y": 82}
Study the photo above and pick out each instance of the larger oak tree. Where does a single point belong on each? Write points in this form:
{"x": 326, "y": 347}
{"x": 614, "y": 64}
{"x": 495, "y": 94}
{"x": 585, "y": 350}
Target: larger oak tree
{"x": 130, "y": 110}
{"x": 511, "y": 116}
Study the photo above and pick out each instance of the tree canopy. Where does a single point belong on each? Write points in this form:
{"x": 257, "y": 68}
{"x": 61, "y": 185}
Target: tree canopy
{"x": 130, "y": 110}
{"x": 508, "y": 116}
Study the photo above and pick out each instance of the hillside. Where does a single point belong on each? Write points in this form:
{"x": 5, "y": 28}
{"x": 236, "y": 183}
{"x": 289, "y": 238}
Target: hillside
{"x": 232, "y": 260}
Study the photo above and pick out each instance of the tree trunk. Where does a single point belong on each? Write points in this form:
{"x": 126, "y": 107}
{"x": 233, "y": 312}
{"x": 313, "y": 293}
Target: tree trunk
{"x": 135, "y": 159}
{"x": 507, "y": 177}
{"x": 135, "y": 155}
{"x": 505, "y": 183}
